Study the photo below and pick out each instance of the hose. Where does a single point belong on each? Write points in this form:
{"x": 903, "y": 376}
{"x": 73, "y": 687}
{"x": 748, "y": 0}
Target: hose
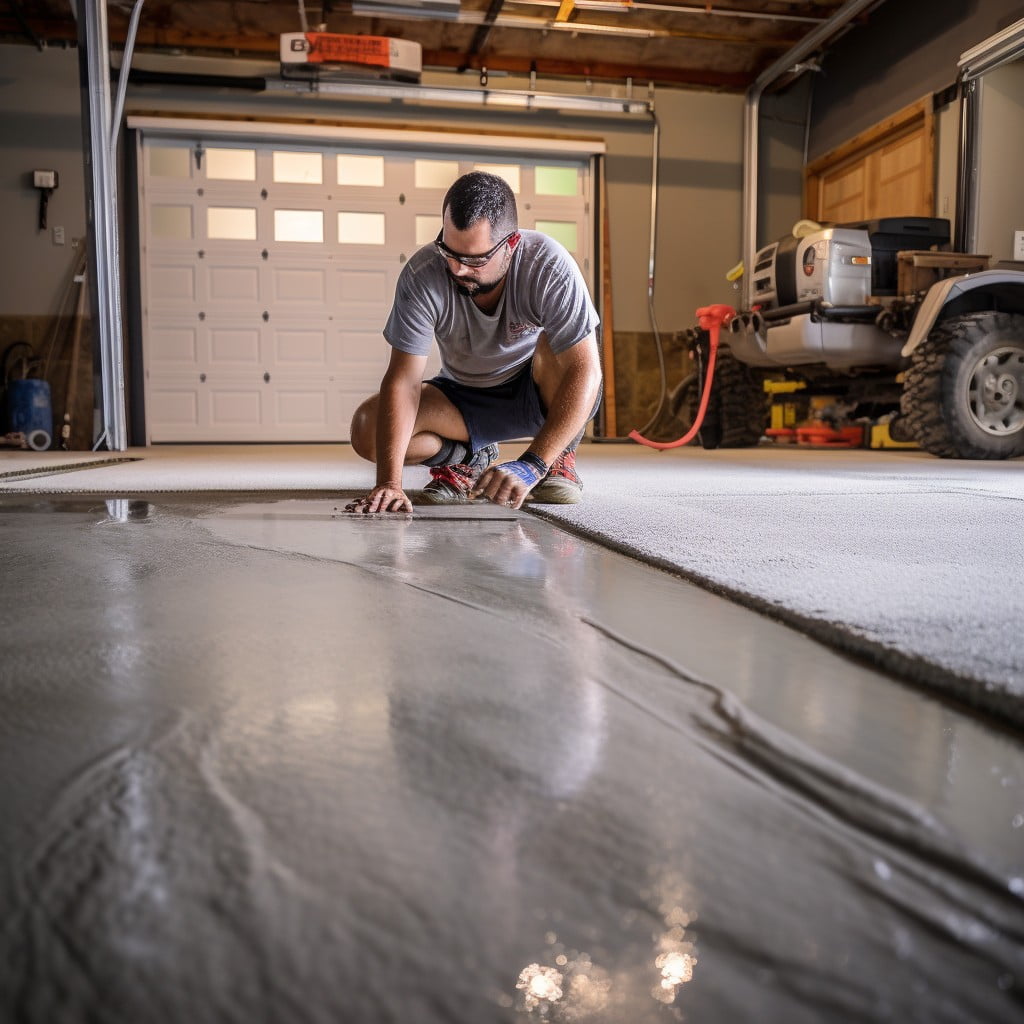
{"x": 658, "y": 347}
{"x": 711, "y": 318}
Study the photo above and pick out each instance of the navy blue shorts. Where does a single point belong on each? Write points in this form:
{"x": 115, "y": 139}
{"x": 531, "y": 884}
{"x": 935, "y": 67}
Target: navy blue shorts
{"x": 499, "y": 413}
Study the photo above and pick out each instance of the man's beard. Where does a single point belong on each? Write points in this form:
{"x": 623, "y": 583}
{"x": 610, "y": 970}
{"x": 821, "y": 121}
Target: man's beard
{"x": 474, "y": 287}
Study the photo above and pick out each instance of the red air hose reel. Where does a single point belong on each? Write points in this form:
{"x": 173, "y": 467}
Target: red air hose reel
{"x": 711, "y": 319}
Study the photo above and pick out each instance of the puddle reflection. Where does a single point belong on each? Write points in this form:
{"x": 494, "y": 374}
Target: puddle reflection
{"x": 126, "y": 510}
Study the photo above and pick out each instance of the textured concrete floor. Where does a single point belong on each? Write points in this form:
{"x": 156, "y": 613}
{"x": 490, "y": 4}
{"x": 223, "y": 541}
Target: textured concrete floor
{"x": 911, "y": 562}
{"x": 265, "y": 762}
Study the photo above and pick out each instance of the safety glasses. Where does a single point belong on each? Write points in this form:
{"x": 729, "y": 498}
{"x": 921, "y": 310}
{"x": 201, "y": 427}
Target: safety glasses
{"x": 472, "y": 261}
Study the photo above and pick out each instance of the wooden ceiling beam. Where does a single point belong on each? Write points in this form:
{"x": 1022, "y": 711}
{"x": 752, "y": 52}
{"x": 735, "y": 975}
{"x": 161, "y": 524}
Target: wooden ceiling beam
{"x": 565, "y": 9}
{"x": 725, "y": 81}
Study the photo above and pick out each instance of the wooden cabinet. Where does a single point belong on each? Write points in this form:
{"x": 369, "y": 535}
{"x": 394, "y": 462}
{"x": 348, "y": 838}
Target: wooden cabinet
{"x": 886, "y": 171}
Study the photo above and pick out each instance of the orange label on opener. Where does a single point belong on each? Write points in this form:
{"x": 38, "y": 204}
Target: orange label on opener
{"x": 331, "y": 48}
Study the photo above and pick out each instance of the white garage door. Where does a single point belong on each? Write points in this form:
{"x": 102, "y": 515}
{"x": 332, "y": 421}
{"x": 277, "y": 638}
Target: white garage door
{"x": 268, "y": 270}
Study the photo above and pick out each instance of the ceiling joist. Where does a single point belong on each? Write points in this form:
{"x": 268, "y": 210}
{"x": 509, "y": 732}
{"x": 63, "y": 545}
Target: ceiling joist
{"x": 720, "y": 45}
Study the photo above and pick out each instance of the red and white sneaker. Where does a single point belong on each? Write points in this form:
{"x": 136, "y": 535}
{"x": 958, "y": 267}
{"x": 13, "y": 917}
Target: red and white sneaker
{"x": 450, "y": 485}
{"x": 562, "y": 485}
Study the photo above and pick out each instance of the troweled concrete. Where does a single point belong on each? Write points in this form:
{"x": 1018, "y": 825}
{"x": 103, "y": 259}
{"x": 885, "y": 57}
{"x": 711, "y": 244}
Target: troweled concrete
{"x": 912, "y": 562}
{"x": 266, "y": 762}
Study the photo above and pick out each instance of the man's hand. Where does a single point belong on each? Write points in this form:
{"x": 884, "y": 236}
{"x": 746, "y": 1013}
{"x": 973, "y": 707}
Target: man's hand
{"x": 387, "y": 497}
{"x": 509, "y": 483}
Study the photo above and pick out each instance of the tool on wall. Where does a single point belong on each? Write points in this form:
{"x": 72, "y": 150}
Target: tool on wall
{"x": 711, "y": 319}
{"x": 46, "y": 182}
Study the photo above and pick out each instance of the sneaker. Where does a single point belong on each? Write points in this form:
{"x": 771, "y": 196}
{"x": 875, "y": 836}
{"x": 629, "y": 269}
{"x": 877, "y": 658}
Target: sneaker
{"x": 562, "y": 485}
{"x": 450, "y": 485}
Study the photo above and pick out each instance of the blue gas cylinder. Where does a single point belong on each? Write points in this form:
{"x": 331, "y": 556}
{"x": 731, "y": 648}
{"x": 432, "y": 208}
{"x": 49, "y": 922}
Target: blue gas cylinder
{"x": 29, "y": 412}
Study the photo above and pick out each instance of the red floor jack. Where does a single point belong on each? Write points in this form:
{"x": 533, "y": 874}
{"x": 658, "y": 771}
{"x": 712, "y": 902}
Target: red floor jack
{"x": 711, "y": 319}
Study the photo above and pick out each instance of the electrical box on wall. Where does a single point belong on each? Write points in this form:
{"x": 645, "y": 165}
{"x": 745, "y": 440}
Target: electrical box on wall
{"x": 1018, "y": 245}
{"x": 46, "y": 182}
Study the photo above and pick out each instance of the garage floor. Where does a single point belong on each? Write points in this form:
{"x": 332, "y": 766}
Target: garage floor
{"x": 263, "y": 761}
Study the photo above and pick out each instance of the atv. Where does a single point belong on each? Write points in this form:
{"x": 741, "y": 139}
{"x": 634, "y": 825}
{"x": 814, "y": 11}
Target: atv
{"x": 881, "y": 319}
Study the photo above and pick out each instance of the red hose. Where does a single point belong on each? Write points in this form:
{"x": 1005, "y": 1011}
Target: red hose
{"x": 711, "y": 318}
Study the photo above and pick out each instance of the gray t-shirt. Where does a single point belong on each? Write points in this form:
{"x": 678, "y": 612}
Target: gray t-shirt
{"x": 544, "y": 292}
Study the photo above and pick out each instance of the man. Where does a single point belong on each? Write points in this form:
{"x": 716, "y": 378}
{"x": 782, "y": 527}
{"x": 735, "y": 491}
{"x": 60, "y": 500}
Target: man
{"x": 514, "y": 325}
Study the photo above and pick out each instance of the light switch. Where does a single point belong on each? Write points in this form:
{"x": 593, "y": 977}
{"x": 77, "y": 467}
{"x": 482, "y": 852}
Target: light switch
{"x": 58, "y": 236}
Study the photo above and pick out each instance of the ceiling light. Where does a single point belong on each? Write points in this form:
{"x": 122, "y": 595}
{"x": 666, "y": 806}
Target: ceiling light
{"x": 444, "y": 10}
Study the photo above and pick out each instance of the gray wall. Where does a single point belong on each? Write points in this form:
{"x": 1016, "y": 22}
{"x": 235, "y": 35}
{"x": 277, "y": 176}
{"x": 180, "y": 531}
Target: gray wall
{"x": 907, "y": 49}
{"x": 40, "y": 128}
{"x": 782, "y": 140}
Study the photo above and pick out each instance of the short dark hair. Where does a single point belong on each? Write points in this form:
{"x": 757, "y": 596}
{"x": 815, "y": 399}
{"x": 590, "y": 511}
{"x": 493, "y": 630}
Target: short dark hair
{"x": 481, "y": 196}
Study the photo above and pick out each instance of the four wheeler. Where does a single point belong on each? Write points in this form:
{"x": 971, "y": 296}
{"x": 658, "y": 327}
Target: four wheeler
{"x": 880, "y": 316}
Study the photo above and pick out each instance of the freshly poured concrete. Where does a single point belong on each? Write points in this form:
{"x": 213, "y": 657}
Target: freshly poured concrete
{"x": 264, "y": 762}
{"x": 909, "y": 561}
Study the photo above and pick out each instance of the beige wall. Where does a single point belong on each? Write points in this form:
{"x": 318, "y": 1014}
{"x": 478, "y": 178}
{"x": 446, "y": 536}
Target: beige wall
{"x": 40, "y": 127}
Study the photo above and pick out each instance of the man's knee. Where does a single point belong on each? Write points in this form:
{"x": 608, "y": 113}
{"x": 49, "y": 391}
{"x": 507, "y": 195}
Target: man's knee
{"x": 363, "y": 434}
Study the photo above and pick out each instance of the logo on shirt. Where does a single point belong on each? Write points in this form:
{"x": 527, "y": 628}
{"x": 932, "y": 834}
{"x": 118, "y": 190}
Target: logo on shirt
{"x": 520, "y": 330}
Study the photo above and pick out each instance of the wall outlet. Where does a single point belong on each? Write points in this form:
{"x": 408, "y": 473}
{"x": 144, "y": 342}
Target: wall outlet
{"x": 1018, "y": 245}
{"x": 58, "y": 236}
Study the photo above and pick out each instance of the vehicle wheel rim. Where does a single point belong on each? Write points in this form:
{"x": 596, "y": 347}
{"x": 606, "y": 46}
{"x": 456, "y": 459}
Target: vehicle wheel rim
{"x": 996, "y": 392}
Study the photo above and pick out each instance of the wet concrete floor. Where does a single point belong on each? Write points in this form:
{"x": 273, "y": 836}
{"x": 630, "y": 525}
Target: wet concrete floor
{"x": 262, "y": 762}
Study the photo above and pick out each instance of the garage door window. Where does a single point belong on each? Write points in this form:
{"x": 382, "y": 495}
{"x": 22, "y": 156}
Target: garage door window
{"x": 563, "y": 231}
{"x": 361, "y": 228}
{"x": 298, "y": 225}
{"x": 510, "y": 172}
{"x": 556, "y": 181}
{"x": 231, "y": 223}
{"x": 360, "y": 171}
{"x": 168, "y": 162}
{"x": 231, "y": 164}
{"x": 298, "y": 168}
{"x": 171, "y": 221}
{"x": 428, "y": 226}
{"x": 436, "y": 173}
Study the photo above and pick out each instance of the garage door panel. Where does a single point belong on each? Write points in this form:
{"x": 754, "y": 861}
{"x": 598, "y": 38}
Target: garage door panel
{"x": 172, "y": 283}
{"x": 236, "y": 282}
{"x": 299, "y": 347}
{"x": 175, "y": 346}
{"x": 361, "y": 343}
{"x": 234, "y": 347}
{"x": 173, "y": 410}
{"x": 236, "y": 406}
{"x": 300, "y": 285}
{"x": 366, "y": 290}
{"x": 305, "y": 407}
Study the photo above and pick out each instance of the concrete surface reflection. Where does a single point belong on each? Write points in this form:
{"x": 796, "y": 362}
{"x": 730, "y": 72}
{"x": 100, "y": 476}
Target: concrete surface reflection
{"x": 263, "y": 762}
